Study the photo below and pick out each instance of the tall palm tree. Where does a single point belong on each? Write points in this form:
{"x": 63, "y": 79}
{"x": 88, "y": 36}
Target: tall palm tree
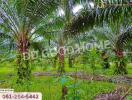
{"x": 67, "y": 7}
{"x": 20, "y": 18}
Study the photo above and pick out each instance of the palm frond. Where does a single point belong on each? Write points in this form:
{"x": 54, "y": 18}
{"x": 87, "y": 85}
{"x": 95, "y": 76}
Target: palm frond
{"x": 113, "y": 15}
{"x": 124, "y": 38}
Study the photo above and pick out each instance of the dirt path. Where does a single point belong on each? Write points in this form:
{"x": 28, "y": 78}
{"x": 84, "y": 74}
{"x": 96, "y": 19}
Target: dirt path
{"x": 116, "y": 79}
{"x": 119, "y": 94}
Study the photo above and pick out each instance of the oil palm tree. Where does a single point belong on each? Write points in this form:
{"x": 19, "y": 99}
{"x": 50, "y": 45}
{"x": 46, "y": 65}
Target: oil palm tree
{"x": 66, "y": 6}
{"x": 122, "y": 40}
{"x": 118, "y": 43}
{"x": 20, "y": 18}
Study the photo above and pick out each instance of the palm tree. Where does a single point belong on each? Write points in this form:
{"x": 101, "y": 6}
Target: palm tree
{"x": 20, "y": 18}
{"x": 66, "y": 6}
{"x": 122, "y": 40}
{"x": 117, "y": 44}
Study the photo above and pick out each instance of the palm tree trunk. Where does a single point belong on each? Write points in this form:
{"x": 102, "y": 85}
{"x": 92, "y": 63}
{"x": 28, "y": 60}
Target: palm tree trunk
{"x": 55, "y": 61}
{"x": 23, "y": 69}
{"x": 64, "y": 92}
{"x": 71, "y": 61}
{"x": 120, "y": 64}
{"x": 61, "y": 57}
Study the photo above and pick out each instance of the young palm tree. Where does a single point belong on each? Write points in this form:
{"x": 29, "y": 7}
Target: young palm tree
{"x": 20, "y": 19}
{"x": 122, "y": 40}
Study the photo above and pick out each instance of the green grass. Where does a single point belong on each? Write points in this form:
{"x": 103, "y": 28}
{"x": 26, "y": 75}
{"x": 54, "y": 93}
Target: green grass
{"x": 51, "y": 89}
{"x": 84, "y": 68}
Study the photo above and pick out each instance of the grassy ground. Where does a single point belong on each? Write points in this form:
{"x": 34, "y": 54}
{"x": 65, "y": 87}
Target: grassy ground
{"x": 83, "y": 68}
{"x": 51, "y": 90}
{"x": 50, "y": 87}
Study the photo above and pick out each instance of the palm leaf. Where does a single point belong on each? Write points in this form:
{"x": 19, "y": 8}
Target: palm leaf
{"x": 124, "y": 38}
{"x": 113, "y": 15}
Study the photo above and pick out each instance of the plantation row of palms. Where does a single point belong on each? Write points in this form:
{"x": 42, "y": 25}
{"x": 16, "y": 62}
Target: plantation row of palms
{"x": 37, "y": 24}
